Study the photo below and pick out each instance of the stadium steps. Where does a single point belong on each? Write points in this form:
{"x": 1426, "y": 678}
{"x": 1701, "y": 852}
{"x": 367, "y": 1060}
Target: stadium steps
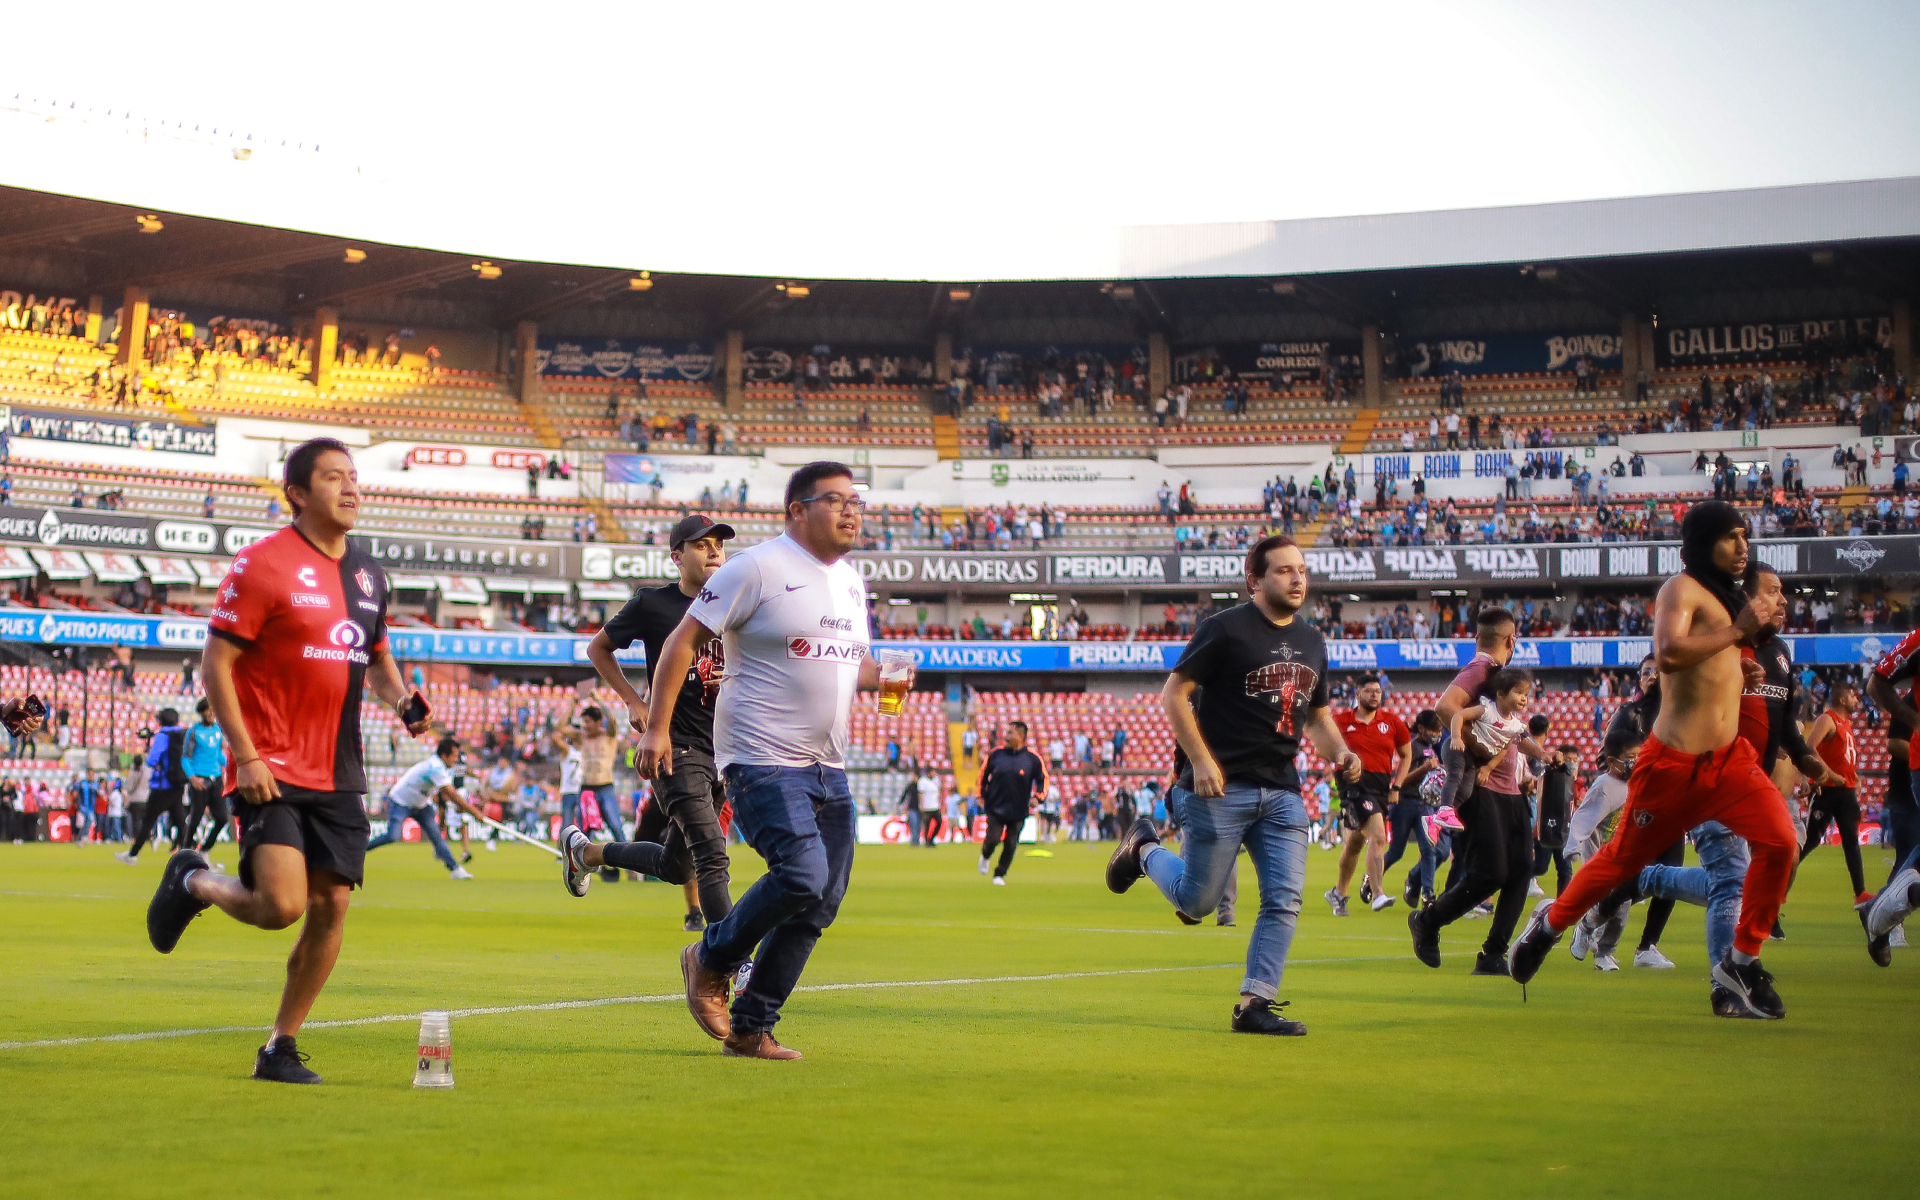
{"x": 611, "y": 529}
{"x": 1309, "y": 534}
{"x": 946, "y": 437}
{"x": 955, "y": 754}
{"x": 1355, "y": 441}
{"x": 1852, "y": 497}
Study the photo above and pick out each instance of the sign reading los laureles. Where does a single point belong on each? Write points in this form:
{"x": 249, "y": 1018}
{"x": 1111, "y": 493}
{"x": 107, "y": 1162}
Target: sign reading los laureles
{"x": 545, "y": 560}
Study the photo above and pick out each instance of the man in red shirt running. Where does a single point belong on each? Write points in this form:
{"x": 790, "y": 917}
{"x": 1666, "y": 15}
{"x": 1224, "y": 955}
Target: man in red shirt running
{"x": 298, "y": 629}
{"x": 1385, "y": 746}
{"x": 1838, "y": 803}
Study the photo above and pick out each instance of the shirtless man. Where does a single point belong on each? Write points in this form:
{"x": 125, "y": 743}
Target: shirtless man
{"x": 1694, "y": 767}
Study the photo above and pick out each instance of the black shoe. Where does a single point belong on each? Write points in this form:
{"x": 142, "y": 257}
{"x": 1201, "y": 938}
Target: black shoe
{"x": 466, "y": 858}
{"x": 1426, "y": 941}
{"x": 1263, "y": 1016}
{"x": 1778, "y": 934}
{"x": 1123, "y": 869}
{"x": 1879, "y": 949}
{"x": 610, "y": 874}
{"x": 1729, "y": 1005}
{"x": 1751, "y": 985}
{"x": 1410, "y": 896}
{"x": 1223, "y": 917}
{"x": 279, "y": 1062}
{"x": 1524, "y": 959}
{"x": 1366, "y": 891}
{"x": 1490, "y": 964}
{"x": 695, "y": 922}
{"x": 173, "y": 907}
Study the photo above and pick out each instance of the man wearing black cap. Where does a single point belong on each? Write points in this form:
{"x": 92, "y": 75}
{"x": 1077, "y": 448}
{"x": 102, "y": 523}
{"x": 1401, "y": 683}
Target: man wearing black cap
{"x": 1694, "y": 767}
{"x": 695, "y": 848}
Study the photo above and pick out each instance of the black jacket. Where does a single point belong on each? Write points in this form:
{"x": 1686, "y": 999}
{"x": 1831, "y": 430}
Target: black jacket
{"x": 1010, "y": 781}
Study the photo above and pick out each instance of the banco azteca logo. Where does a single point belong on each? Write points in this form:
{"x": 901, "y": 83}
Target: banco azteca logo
{"x": 348, "y": 634}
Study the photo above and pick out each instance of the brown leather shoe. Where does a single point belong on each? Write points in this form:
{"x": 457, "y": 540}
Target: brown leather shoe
{"x": 756, "y": 1045}
{"x": 706, "y": 994}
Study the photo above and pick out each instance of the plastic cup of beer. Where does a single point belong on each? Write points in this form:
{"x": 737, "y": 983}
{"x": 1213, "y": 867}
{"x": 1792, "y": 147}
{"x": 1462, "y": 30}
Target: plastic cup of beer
{"x": 896, "y": 678}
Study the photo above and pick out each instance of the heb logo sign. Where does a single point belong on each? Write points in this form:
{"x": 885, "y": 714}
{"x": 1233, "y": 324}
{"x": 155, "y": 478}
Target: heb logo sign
{"x": 519, "y": 460}
{"x": 1115, "y": 654}
{"x": 437, "y": 456}
{"x": 819, "y": 649}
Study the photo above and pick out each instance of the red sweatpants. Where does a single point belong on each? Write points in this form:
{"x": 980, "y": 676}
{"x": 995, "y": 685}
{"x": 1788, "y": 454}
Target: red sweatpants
{"x": 1670, "y": 793}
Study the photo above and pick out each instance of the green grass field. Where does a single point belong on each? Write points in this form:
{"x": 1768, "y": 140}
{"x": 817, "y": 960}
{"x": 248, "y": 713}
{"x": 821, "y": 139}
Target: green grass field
{"x": 1411, "y": 1083}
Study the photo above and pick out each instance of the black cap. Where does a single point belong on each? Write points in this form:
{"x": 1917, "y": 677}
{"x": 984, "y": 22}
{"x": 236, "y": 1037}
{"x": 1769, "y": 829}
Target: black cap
{"x": 695, "y": 526}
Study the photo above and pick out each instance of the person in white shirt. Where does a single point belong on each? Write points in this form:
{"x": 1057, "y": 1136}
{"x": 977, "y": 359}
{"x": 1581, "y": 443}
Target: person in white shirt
{"x": 413, "y": 795}
{"x": 792, "y": 615}
{"x": 927, "y": 792}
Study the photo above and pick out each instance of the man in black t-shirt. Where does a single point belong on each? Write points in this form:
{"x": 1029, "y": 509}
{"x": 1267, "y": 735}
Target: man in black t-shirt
{"x": 1262, "y": 675}
{"x": 1012, "y": 777}
{"x": 691, "y": 799}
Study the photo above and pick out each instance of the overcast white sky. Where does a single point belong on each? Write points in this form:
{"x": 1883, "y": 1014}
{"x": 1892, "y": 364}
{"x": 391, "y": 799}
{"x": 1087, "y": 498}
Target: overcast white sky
{"x": 928, "y": 141}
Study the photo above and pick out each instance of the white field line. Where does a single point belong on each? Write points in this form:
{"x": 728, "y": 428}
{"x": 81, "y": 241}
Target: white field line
{"x": 556, "y": 1005}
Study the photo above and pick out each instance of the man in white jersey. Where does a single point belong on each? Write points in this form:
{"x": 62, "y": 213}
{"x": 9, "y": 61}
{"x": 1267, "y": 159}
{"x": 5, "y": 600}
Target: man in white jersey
{"x": 413, "y": 794}
{"x": 792, "y": 615}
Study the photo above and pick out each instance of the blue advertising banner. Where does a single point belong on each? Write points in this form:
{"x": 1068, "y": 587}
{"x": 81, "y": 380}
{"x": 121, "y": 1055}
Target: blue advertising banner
{"x": 625, "y": 358}
{"x": 125, "y": 434}
{"x": 1505, "y": 353}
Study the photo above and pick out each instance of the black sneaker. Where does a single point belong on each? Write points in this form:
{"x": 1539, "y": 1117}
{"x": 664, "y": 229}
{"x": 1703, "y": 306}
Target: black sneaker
{"x": 1730, "y": 1005}
{"x": 1879, "y": 949}
{"x": 173, "y": 907}
{"x": 1530, "y": 950}
{"x": 1426, "y": 940}
{"x": 695, "y": 922}
{"x": 1123, "y": 869}
{"x": 1410, "y": 896}
{"x": 610, "y": 874}
{"x": 466, "y": 858}
{"x": 1263, "y": 1016}
{"x": 1777, "y": 934}
{"x": 1490, "y": 964}
{"x": 1751, "y": 985}
{"x": 279, "y": 1062}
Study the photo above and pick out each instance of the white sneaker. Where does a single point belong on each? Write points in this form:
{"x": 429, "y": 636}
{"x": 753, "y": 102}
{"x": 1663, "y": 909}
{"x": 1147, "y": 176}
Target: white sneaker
{"x": 1533, "y": 888}
{"x": 1607, "y": 962}
{"x": 741, "y": 976}
{"x": 1582, "y": 941}
{"x": 1898, "y": 938}
{"x": 460, "y": 873}
{"x": 1381, "y": 903}
{"x": 983, "y": 866}
{"x": 126, "y": 858}
{"x": 1651, "y": 957}
{"x": 999, "y": 881}
{"x": 494, "y": 847}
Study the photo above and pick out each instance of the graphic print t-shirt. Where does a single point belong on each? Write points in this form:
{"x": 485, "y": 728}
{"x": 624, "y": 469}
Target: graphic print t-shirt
{"x": 308, "y": 625}
{"x": 1259, "y": 681}
{"x": 795, "y": 633}
{"x": 648, "y": 618}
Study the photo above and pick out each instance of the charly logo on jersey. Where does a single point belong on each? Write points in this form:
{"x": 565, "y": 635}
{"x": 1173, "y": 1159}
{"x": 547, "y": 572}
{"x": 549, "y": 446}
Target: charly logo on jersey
{"x": 306, "y": 577}
{"x": 1859, "y": 555}
{"x": 819, "y": 649}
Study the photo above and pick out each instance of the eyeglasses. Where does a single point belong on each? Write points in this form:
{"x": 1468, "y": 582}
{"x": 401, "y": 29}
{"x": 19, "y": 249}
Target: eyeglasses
{"x": 835, "y": 502}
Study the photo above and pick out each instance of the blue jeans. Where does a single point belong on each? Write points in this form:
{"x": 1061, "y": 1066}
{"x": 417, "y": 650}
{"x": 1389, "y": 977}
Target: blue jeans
{"x": 397, "y": 815}
{"x": 1715, "y": 883}
{"x": 1407, "y": 816}
{"x": 608, "y": 800}
{"x": 801, "y": 821}
{"x": 1272, "y": 824}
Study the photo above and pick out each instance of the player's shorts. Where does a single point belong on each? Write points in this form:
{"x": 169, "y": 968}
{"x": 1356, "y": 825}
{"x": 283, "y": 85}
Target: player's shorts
{"x": 329, "y": 828}
{"x": 1362, "y": 801}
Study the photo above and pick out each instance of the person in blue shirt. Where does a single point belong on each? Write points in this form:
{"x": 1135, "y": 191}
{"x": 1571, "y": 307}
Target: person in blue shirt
{"x": 205, "y": 759}
{"x": 164, "y": 795}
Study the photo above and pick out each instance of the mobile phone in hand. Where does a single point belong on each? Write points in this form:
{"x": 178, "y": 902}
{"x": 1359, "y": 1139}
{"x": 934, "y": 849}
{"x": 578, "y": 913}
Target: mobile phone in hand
{"x": 27, "y": 709}
{"x": 416, "y": 710}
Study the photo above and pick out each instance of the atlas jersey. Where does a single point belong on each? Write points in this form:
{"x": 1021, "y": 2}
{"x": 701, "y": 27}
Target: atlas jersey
{"x": 1838, "y": 752}
{"x": 1897, "y": 666}
{"x": 1377, "y": 741}
{"x": 307, "y": 627}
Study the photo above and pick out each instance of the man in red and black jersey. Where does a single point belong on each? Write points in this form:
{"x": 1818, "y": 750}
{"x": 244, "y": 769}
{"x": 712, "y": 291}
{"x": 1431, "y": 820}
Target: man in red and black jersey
{"x": 1385, "y": 746}
{"x": 1900, "y": 818}
{"x": 298, "y": 631}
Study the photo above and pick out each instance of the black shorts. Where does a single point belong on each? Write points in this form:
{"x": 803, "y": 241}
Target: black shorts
{"x": 1364, "y": 800}
{"x": 329, "y": 828}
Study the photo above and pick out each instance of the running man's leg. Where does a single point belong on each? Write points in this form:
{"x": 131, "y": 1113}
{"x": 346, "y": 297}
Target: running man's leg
{"x": 1406, "y": 819}
{"x": 1194, "y": 879}
{"x": 430, "y": 830}
{"x": 1844, "y": 804}
{"x": 1516, "y": 852}
{"x": 1665, "y": 798}
{"x": 1659, "y": 910}
{"x": 1276, "y": 840}
{"x": 1746, "y": 802}
{"x": 396, "y": 820}
{"x": 1818, "y": 818}
{"x": 222, "y": 815}
{"x": 1010, "y": 843}
{"x": 1376, "y": 852}
{"x": 1480, "y": 853}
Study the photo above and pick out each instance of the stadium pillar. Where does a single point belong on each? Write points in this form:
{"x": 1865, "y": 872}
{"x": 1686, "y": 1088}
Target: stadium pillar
{"x": 526, "y": 362}
{"x": 1370, "y": 388}
{"x": 732, "y": 368}
{"x": 133, "y": 327}
{"x": 326, "y": 341}
{"x": 1629, "y": 356}
{"x": 943, "y": 358}
{"x": 1159, "y": 366}
{"x": 1131, "y": 608}
{"x": 1903, "y": 340}
{"x": 95, "y": 306}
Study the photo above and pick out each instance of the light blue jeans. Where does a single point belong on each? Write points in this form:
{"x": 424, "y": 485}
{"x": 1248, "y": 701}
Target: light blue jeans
{"x": 1715, "y": 883}
{"x": 1272, "y": 824}
{"x": 397, "y": 815}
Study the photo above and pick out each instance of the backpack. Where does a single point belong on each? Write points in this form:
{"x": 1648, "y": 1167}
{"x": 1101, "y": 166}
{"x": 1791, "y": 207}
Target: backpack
{"x": 1556, "y": 806}
{"x": 176, "y": 771}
